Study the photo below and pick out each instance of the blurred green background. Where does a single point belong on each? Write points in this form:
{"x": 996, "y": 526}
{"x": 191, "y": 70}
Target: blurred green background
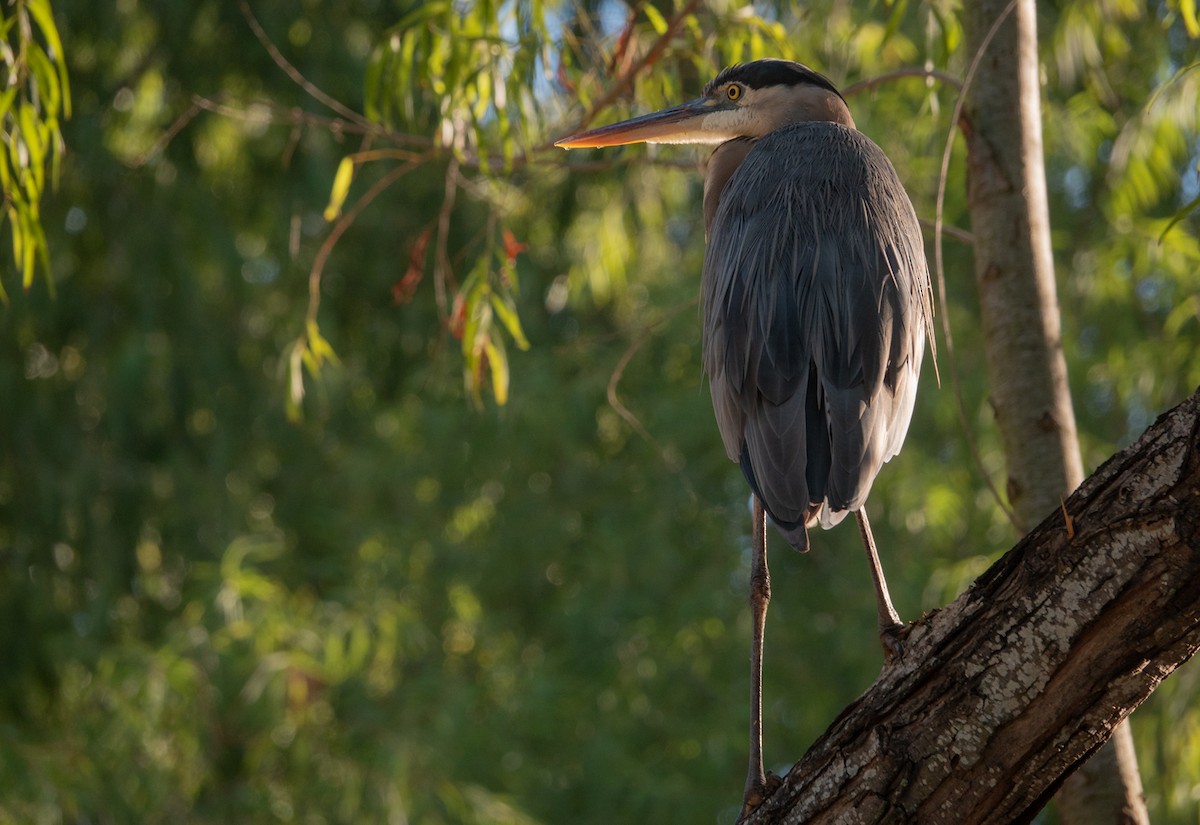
{"x": 395, "y": 600}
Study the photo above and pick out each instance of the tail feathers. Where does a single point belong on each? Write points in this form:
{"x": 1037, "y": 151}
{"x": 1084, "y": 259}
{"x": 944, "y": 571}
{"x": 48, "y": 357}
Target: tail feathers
{"x": 796, "y": 534}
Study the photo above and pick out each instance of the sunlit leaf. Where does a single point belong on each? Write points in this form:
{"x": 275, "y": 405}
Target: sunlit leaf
{"x": 295, "y": 395}
{"x": 1187, "y": 9}
{"x": 506, "y": 311}
{"x": 6, "y": 100}
{"x": 899, "y": 7}
{"x": 657, "y": 21}
{"x": 373, "y": 107}
{"x": 951, "y": 32}
{"x": 497, "y": 361}
{"x": 47, "y": 79}
{"x": 34, "y": 142}
{"x": 40, "y": 9}
{"x": 341, "y": 188}
{"x": 29, "y": 251}
{"x": 33, "y": 100}
{"x": 320, "y": 348}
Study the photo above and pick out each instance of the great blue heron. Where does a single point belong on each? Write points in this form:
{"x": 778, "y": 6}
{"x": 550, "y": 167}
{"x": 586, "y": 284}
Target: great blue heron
{"x": 816, "y": 303}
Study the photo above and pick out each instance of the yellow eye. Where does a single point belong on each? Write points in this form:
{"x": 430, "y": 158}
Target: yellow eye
{"x": 734, "y": 92}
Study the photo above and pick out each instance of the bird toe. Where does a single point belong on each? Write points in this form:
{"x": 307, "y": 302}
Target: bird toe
{"x": 756, "y": 795}
{"x": 892, "y": 638}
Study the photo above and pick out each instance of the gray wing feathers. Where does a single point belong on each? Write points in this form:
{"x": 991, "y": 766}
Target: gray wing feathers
{"x": 815, "y": 305}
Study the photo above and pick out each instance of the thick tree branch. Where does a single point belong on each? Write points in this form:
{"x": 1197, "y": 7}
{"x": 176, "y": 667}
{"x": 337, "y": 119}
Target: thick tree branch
{"x": 1003, "y": 693}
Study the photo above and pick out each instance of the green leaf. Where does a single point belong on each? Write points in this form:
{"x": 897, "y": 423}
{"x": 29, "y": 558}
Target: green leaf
{"x": 319, "y": 347}
{"x": 46, "y": 78}
{"x": 477, "y": 313}
{"x": 894, "y": 19}
{"x": 341, "y": 188}
{"x": 478, "y": 326}
{"x": 1187, "y": 8}
{"x": 29, "y": 251}
{"x": 506, "y": 311}
{"x": 40, "y": 9}
{"x": 296, "y": 380}
{"x": 6, "y": 99}
{"x": 951, "y": 30}
{"x": 310, "y": 363}
{"x": 656, "y": 19}
{"x": 498, "y": 364}
{"x": 33, "y": 135}
{"x": 57, "y": 150}
{"x": 404, "y": 87}
{"x": 483, "y": 94}
{"x": 6, "y": 172}
{"x": 373, "y": 105}
{"x": 358, "y": 646}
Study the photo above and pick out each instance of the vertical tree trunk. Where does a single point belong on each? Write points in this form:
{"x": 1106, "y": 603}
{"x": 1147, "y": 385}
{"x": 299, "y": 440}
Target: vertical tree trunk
{"x": 1015, "y": 274}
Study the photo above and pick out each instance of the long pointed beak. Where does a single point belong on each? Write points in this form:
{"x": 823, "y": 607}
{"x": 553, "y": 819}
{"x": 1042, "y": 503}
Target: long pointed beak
{"x": 679, "y": 124}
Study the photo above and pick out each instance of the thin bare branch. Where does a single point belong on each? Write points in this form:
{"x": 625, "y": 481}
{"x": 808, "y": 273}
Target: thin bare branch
{"x": 650, "y": 329}
{"x": 442, "y": 272}
{"x": 867, "y": 84}
{"x": 166, "y": 137}
{"x": 339, "y": 228}
{"x": 292, "y": 72}
{"x": 368, "y": 155}
{"x": 960, "y": 235}
{"x": 614, "y": 400}
{"x": 295, "y": 116}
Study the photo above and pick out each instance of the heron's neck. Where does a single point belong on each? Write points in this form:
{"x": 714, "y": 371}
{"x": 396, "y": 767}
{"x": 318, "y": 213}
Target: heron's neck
{"x": 777, "y": 107}
{"x": 723, "y": 162}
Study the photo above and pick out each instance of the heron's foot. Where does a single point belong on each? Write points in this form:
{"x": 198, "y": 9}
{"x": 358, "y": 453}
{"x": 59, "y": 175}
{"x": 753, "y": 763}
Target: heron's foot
{"x": 892, "y": 637}
{"x": 757, "y": 793}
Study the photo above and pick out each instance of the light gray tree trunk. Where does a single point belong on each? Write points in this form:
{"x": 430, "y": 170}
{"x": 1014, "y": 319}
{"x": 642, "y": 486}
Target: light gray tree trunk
{"x": 1028, "y": 375}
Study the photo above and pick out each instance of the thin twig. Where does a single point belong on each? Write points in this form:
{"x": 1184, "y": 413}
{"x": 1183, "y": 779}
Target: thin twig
{"x": 167, "y": 136}
{"x": 294, "y": 73}
{"x": 614, "y": 400}
{"x": 319, "y": 260}
{"x": 940, "y": 270}
{"x": 869, "y": 83}
{"x": 368, "y": 155}
{"x": 295, "y": 116}
{"x": 961, "y": 235}
{"x": 442, "y": 272}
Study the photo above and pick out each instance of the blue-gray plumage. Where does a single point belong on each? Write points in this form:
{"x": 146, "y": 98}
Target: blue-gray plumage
{"x": 816, "y": 305}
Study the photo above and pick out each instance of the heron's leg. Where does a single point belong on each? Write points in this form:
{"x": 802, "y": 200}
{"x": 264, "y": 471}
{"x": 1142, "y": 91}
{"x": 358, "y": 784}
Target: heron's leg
{"x": 758, "y": 784}
{"x": 889, "y": 620}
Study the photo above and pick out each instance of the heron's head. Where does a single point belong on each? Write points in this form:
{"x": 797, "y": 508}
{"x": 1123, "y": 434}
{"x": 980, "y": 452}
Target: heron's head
{"x": 747, "y": 100}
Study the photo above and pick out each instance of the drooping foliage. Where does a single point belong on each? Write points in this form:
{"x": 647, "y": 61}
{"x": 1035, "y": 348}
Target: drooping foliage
{"x": 35, "y": 99}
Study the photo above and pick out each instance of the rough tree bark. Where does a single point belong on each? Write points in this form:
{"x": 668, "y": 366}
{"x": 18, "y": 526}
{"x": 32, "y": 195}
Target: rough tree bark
{"x": 1014, "y": 269}
{"x": 1001, "y": 695}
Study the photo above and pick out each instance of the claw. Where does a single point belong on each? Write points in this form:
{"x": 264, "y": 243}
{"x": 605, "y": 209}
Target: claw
{"x": 892, "y": 639}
